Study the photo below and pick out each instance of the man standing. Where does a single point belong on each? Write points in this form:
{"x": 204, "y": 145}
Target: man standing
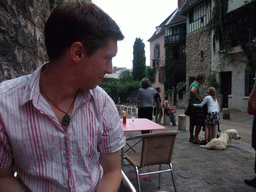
{"x": 158, "y": 105}
{"x": 58, "y": 129}
{"x": 252, "y": 111}
{"x": 197, "y": 114}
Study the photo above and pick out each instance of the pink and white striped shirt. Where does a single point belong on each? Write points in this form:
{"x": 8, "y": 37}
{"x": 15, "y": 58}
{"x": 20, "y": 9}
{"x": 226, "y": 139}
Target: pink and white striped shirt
{"x": 46, "y": 157}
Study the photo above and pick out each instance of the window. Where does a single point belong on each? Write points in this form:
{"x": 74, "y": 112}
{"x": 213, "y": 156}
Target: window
{"x": 191, "y": 17}
{"x": 249, "y": 82}
{"x": 161, "y": 74}
{"x": 202, "y": 54}
{"x": 202, "y": 20}
{"x": 157, "y": 51}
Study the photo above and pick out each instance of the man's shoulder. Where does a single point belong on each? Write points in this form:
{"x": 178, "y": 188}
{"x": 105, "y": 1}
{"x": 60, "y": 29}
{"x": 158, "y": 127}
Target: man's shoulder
{"x": 99, "y": 89}
{"x": 13, "y": 84}
{"x": 99, "y": 93}
{"x": 194, "y": 84}
{"x": 152, "y": 89}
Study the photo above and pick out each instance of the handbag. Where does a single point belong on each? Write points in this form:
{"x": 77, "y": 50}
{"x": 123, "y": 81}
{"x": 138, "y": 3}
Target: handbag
{"x": 188, "y": 110}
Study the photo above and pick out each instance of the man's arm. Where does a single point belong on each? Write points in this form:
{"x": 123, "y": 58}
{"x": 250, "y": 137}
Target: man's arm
{"x": 158, "y": 102}
{"x": 112, "y": 176}
{"x": 8, "y": 183}
{"x": 251, "y": 109}
{"x": 194, "y": 92}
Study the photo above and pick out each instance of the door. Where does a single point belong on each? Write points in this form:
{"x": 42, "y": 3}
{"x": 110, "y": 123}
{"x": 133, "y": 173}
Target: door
{"x": 226, "y": 84}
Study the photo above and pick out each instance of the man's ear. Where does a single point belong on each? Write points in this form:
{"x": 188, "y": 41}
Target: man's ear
{"x": 77, "y": 51}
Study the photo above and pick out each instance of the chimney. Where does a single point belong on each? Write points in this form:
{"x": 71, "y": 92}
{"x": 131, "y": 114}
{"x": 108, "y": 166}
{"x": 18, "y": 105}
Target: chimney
{"x": 181, "y": 3}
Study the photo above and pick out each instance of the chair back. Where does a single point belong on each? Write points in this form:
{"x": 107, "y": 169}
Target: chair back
{"x": 157, "y": 148}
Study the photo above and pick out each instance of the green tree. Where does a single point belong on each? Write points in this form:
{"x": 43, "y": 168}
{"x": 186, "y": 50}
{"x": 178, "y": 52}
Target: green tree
{"x": 126, "y": 75}
{"x": 150, "y": 73}
{"x": 139, "y": 60}
{"x": 175, "y": 66}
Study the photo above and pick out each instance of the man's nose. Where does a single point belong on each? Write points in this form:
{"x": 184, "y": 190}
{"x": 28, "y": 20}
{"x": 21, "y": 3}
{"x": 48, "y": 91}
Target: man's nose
{"x": 109, "y": 68}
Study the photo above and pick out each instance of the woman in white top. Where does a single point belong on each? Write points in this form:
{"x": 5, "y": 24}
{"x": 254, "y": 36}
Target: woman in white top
{"x": 213, "y": 114}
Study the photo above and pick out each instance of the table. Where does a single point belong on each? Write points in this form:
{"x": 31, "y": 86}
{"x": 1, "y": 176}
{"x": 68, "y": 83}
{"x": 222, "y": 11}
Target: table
{"x": 140, "y": 124}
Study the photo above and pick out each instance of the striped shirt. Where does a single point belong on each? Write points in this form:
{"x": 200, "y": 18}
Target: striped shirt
{"x": 46, "y": 157}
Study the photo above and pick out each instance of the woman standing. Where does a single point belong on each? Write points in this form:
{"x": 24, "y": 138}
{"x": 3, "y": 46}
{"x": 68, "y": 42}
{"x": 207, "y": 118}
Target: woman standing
{"x": 145, "y": 98}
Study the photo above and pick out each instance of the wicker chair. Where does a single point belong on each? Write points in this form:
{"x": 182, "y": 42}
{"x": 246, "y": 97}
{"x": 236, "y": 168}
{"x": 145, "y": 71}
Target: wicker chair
{"x": 157, "y": 149}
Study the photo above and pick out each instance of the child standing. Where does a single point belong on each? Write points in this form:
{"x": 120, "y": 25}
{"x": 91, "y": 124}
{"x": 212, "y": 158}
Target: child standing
{"x": 169, "y": 110}
{"x": 213, "y": 114}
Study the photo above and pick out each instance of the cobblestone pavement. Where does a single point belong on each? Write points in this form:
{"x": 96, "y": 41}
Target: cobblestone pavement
{"x": 200, "y": 170}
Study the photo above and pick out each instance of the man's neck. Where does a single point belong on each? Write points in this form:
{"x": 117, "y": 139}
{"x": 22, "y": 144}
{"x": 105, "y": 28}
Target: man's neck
{"x": 56, "y": 82}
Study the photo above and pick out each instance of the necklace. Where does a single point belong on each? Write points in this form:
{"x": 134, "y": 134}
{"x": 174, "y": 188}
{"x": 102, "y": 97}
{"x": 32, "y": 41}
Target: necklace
{"x": 66, "y": 118}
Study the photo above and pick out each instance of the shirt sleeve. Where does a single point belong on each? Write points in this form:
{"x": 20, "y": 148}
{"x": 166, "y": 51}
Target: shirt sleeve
{"x": 138, "y": 95}
{"x": 6, "y": 157}
{"x": 202, "y": 103}
{"x": 113, "y": 138}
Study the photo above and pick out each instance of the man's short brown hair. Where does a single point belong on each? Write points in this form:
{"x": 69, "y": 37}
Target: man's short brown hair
{"x": 79, "y": 22}
{"x": 200, "y": 77}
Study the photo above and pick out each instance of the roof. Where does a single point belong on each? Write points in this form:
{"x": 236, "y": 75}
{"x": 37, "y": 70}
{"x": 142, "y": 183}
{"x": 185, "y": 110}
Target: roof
{"x": 189, "y": 4}
{"x": 160, "y": 29}
{"x": 177, "y": 19}
{"x": 173, "y": 19}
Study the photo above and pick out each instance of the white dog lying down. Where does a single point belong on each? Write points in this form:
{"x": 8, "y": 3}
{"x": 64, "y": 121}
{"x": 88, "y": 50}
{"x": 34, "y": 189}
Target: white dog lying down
{"x": 222, "y": 141}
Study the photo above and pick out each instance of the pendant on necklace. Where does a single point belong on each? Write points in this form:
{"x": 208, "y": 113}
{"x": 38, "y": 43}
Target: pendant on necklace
{"x": 65, "y": 120}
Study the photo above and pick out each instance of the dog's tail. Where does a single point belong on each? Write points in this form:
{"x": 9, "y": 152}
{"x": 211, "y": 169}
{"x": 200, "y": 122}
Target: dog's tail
{"x": 202, "y": 146}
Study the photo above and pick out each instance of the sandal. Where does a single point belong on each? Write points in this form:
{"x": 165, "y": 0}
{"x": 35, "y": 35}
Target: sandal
{"x": 197, "y": 141}
{"x": 191, "y": 139}
{"x": 205, "y": 141}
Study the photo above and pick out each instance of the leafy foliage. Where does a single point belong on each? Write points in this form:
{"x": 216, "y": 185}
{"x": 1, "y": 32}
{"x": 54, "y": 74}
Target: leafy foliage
{"x": 139, "y": 60}
{"x": 175, "y": 66}
{"x": 126, "y": 75}
{"x": 181, "y": 86}
{"x": 235, "y": 28}
{"x": 213, "y": 80}
{"x": 150, "y": 73}
{"x": 122, "y": 88}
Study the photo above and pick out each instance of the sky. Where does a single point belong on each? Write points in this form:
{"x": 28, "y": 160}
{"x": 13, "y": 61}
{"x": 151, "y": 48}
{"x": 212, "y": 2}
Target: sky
{"x": 136, "y": 18}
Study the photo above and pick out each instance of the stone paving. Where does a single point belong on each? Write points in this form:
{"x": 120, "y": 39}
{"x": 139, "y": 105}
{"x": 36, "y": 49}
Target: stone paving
{"x": 200, "y": 170}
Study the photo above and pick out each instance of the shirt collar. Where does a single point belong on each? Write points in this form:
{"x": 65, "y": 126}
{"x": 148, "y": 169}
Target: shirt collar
{"x": 32, "y": 90}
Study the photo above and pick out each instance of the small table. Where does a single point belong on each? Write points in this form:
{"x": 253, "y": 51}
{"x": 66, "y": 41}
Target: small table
{"x": 140, "y": 124}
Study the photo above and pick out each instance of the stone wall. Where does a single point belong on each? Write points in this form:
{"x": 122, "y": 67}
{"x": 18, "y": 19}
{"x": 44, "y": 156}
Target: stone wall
{"x": 21, "y": 36}
{"x": 22, "y": 47}
{"x": 198, "y": 56}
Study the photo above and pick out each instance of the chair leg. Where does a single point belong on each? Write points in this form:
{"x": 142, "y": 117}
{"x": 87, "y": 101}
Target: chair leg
{"x": 159, "y": 177}
{"x": 173, "y": 180}
{"x": 138, "y": 178}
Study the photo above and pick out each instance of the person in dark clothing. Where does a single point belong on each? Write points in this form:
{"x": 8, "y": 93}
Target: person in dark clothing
{"x": 251, "y": 109}
{"x": 197, "y": 117}
{"x": 158, "y": 105}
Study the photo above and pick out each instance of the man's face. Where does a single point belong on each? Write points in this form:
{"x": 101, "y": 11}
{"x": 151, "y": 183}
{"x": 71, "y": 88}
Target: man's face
{"x": 97, "y": 65}
{"x": 202, "y": 81}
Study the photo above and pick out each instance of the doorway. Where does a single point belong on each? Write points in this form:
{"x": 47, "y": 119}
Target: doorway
{"x": 226, "y": 84}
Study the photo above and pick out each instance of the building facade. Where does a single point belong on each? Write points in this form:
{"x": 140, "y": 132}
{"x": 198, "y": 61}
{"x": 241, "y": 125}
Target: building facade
{"x": 204, "y": 53}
